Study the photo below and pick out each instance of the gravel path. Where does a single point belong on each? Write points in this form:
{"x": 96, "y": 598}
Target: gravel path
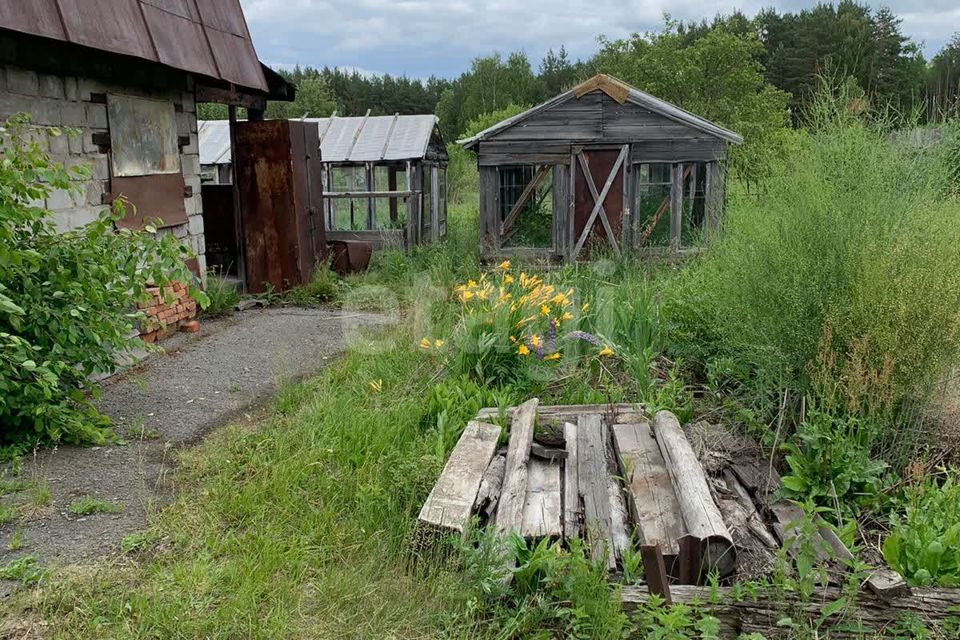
{"x": 202, "y": 382}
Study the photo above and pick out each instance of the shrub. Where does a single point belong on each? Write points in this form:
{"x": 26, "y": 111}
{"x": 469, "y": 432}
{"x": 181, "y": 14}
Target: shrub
{"x": 841, "y": 277}
{"x": 67, "y": 301}
{"x": 924, "y": 545}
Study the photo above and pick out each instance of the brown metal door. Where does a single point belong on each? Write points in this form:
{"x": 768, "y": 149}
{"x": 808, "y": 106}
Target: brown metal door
{"x": 598, "y": 198}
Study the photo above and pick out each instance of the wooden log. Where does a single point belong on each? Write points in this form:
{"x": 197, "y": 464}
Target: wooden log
{"x": 572, "y": 511}
{"x": 542, "y": 511}
{"x": 653, "y": 503}
{"x": 514, "y": 493}
{"x": 619, "y": 521}
{"x": 594, "y": 490}
{"x": 760, "y": 612}
{"x": 490, "y": 486}
{"x": 753, "y": 520}
{"x": 701, "y": 517}
{"x": 450, "y": 503}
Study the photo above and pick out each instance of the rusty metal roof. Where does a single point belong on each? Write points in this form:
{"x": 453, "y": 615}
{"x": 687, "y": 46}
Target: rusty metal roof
{"x": 206, "y": 37}
{"x": 349, "y": 139}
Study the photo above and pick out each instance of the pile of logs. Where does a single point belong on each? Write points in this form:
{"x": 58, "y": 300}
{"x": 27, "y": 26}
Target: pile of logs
{"x": 603, "y": 473}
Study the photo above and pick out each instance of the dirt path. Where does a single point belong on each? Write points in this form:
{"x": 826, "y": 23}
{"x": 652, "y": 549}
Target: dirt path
{"x": 227, "y": 369}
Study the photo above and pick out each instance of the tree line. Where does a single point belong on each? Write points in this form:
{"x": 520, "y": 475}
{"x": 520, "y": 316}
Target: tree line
{"x": 744, "y": 72}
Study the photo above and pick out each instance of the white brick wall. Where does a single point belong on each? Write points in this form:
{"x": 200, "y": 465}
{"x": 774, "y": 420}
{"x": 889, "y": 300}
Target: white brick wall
{"x": 55, "y": 101}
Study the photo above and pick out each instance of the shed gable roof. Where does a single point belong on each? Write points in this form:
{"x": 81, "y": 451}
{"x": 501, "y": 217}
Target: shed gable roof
{"x": 621, "y": 93}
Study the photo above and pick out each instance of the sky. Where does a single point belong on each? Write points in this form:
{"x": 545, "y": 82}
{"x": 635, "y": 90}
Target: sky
{"x": 420, "y": 38}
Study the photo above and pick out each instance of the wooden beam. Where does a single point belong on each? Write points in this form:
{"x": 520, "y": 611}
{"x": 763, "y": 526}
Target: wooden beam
{"x": 592, "y": 477}
{"x": 676, "y": 205}
{"x": 572, "y": 513}
{"x": 230, "y": 97}
{"x": 513, "y": 496}
{"x": 655, "y": 572}
{"x": 450, "y": 504}
{"x": 653, "y": 503}
{"x": 522, "y": 200}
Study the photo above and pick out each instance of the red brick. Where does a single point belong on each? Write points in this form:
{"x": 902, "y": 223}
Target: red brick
{"x": 191, "y": 326}
{"x": 149, "y": 337}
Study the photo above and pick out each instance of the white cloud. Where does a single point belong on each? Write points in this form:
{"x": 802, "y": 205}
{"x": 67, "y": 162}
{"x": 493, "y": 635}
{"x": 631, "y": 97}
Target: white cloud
{"x": 420, "y": 37}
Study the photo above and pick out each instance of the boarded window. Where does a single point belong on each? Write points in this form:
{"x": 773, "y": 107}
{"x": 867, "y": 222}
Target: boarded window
{"x": 143, "y": 136}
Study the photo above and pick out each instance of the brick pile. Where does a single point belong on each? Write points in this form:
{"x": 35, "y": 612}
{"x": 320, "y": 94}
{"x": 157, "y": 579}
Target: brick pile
{"x": 169, "y": 309}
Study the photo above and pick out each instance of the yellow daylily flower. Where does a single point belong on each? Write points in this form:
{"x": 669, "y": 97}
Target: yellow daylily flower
{"x": 466, "y": 296}
{"x": 471, "y": 284}
{"x": 586, "y": 305}
{"x": 535, "y": 340}
{"x": 508, "y": 279}
{"x": 606, "y": 351}
{"x": 438, "y": 343}
{"x": 552, "y": 356}
{"x": 425, "y": 343}
{"x": 566, "y": 316}
{"x": 503, "y": 266}
{"x": 523, "y": 350}
{"x": 545, "y": 309}
{"x": 376, "y": 385}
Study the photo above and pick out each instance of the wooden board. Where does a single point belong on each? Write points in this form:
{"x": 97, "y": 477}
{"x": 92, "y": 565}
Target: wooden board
{"x": 451, "y": 501}
{"x": 594, "y": 491}
{"x": 572, "y": 513}
{"x": 514, "y": 494}
{"x": 542, "y": 511}
{"x": 652, "y": 501}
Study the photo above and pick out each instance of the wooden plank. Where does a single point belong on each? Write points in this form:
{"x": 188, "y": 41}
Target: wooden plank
{"x": 701, "y": 517}
{"x": 490, "y": 486}
{"x": 542, "y": 511}
{"x": 619, "y": 521}
{"x": 333, "y": 195}
{"x": 572, "y": 512}
{"x": 450, "y": 503}
{"x": 514, "y": 493}
{"x": 655, "y": 571}
{"x": 689, "y": 560}
{"x": 620, "y": 412}
{"x": 653, "y": 503}
{"x": 592, "y": 477}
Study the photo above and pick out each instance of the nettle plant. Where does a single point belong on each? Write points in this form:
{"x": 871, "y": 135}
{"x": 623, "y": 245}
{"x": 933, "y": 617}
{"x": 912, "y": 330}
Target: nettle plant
{"x": 67, "y": 300}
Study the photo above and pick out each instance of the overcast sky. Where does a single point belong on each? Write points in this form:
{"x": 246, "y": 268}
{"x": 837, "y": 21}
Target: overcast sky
{"x": 420, "y": 38}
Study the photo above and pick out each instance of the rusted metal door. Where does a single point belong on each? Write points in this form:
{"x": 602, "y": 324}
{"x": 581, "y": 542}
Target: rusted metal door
{"x": 598, "y": 198}
{"x": 278, "y": 181}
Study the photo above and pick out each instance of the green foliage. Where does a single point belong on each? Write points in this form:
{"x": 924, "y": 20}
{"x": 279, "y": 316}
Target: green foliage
{"x": 462, "y": 176}
{"x": 222, "y": 293}
{"x": 86, "y": 506}
{"x": 66, "y": 300}
{"x": 25, "y": 569}
{"x": 717, "y": 76}
{"x": 841, "y": 278}
{"x": 924, "y": 543}
{"x": 324, "y": 286}
{"x": 831, "y": 466}
{"x": 676, "y": 622}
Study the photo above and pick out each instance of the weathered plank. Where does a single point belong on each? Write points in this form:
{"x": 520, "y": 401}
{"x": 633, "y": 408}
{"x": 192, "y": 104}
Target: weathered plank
{"x": 619, "y": 521}
{"x": 621, "y": 412}
{"x": 489, "y": 494}
{"x": 513, "y": 496}
{"x": 542, "y": 511}
{"x": 750, "y": 516}
{"x": 572, "y": 512}
{"x": 760, "y": 612}
{"x": 450, "y": 503}
{"x": 544, "y": 452}
{"x": 887, "y": 584}
{"x": 701, "y": 517}
{"x": 592, "y": 478}
{"x": 653, "y": 503}
{"x": 655, "y": 572}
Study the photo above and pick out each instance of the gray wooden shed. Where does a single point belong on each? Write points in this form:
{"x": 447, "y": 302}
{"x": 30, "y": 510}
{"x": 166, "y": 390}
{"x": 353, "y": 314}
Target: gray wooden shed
{"x": 602, "y": 167}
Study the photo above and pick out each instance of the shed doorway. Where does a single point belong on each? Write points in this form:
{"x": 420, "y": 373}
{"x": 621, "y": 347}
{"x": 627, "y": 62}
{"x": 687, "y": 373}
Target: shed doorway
{"x": 598, "y": 199}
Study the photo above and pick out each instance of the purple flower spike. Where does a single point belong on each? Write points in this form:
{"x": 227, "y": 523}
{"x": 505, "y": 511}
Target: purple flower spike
{"x": 586, "y": 337}
{"x": 551, "y": 334}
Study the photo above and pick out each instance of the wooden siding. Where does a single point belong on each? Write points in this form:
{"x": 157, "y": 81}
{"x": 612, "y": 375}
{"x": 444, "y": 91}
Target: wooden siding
{"x": 692, "y": 150}
{"x": 570, "y": 120}
{"x": 501, "y": 152}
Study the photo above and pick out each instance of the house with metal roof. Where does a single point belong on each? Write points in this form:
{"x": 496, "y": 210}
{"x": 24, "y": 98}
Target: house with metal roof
{"x": 384, "y": 177}
{"x": 603, "y": 167}
{"x": 127, "y": 75}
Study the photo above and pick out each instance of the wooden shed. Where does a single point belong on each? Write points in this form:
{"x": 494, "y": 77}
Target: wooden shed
{"x": 603, "y": 167}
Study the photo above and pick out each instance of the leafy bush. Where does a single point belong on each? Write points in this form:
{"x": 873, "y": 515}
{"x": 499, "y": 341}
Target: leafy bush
{"x": 924, "y": 545}
{"x": 830, "y": 465}
{"x": 67, "y": 301}
{"x": 841, "y": 277}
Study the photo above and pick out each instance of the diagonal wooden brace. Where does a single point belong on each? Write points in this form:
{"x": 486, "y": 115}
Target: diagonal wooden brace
{"x": 598, "y": 198}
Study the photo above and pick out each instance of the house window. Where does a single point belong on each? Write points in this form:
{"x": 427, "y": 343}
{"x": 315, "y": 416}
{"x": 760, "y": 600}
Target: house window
{"x": 143, "y": 136}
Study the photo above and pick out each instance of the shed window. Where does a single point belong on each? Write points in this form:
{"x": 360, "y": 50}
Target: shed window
{"x": 533, "y": 224}
{"x": 426, "y": 213}
{"x": 653, "y": 198}
{"x": 442, "y": 202}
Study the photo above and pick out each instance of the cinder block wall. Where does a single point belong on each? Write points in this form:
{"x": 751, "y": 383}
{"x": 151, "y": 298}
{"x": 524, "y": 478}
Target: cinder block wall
{"x": 65, "y": 101}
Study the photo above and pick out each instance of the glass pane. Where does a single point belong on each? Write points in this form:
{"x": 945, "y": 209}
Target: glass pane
{"x": 533, "y": 225}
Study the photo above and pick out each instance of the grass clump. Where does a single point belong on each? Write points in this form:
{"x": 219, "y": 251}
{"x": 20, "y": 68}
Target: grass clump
{"x": 87, "y": 505}
{"x": 222, "y": 293}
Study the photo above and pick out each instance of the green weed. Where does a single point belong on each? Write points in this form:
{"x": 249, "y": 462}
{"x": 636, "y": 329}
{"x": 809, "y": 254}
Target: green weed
{"x": 87, "y": 505}
{"x": 222, "y": 292}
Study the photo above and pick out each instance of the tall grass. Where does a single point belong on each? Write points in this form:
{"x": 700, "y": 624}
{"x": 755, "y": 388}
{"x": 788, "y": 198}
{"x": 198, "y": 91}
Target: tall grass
{"x": 841, "y": 278}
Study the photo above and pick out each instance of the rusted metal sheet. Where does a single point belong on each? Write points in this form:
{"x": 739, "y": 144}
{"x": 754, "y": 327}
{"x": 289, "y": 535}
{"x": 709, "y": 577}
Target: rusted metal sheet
{"x": 152, "y": 197}
{"x": 143, "y": 136}
{"x": 349, "y": 256}
{"x": 208, "y": 37}
{"x": 271, "y": 171}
